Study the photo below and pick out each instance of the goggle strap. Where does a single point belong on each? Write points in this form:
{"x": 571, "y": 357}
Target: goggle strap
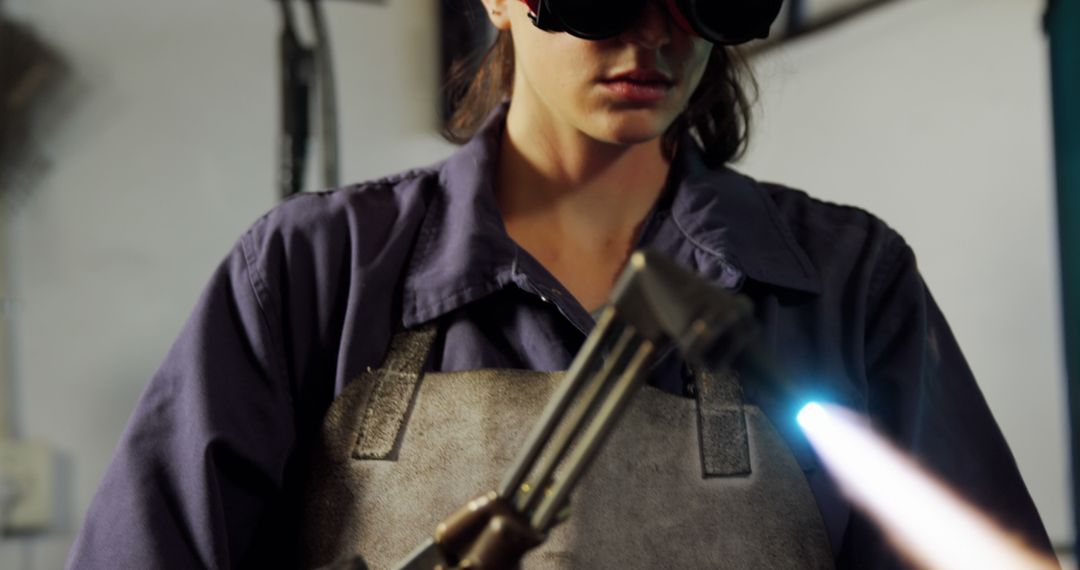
{"x": 679, "y": 17}
{"x": 541, "y": 18}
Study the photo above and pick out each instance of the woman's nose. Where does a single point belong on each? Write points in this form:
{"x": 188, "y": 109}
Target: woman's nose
{"x": 653, "y": 28}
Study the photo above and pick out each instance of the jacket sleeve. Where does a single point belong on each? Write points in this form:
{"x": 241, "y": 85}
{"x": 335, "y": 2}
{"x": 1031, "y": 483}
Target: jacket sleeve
{"x": 206, "y": 447}
{"x": 923, "y": 395}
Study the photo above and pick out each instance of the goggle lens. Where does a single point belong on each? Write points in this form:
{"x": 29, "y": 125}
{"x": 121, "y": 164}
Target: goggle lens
{"x": 598, "y": 19}
{"x": 730, "y": 21}
{"x": 723, "y": 22}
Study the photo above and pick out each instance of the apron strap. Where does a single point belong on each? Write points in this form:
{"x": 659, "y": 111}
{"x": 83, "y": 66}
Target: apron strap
{"x": 394, "y": 384}
{"x": 725, "y": 449}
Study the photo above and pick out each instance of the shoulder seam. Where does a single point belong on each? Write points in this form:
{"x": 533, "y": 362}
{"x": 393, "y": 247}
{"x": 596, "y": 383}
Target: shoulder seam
{"x": 895, "y": 249}
{"x": 389, "y": 180}
{"x": 384, "y": 182}
{"x": 262, "y": 298}
{"x": 773, "y": 186}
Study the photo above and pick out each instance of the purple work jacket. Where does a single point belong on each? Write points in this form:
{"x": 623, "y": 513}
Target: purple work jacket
{"x": 208, "y": 469}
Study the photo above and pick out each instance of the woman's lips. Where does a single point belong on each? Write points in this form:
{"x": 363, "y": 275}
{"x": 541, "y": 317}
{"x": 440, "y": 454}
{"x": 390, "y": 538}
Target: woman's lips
{"x": 639, "y": 86}
{"x": 638, "y": 91}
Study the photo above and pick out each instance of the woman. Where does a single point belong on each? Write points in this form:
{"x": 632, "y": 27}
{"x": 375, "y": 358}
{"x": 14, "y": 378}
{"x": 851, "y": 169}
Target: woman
{"x": 578, "y": 152}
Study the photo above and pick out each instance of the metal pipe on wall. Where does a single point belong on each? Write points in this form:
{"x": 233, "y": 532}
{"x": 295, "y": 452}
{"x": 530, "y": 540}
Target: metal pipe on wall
{"x": 307, "y": 70}
{"x": 6, "y": 400}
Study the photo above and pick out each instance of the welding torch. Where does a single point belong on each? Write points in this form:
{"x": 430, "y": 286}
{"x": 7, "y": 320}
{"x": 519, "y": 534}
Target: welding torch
{"x": 655, "y": 306}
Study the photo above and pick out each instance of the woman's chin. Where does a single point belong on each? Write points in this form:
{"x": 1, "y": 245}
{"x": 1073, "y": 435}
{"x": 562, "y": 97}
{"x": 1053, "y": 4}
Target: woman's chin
{"x": 630, "y": 135}
{"x": 632, "y": 127}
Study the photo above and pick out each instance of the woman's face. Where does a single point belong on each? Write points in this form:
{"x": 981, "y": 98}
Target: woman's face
{"x": 623, "y": 90}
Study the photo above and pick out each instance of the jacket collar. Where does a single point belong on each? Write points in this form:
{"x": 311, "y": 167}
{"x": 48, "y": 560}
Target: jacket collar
{"x": 717, "y": 222}
{"x": 732, "y": 219}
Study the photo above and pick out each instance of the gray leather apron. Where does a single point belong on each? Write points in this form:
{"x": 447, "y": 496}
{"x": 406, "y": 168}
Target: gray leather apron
{"x": 680, "y": 484}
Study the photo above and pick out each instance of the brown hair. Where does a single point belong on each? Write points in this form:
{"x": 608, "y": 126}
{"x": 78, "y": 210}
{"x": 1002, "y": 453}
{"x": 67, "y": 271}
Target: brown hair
{"x": 718, "y": 113}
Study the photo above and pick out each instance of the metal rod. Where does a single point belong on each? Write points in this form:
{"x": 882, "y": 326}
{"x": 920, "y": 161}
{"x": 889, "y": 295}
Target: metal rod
{"x": 286, "y": 17}
{"x": 7, "y": 402}
{"x": 571, "y": 423}
{"x": 327, "y": 86}
{"x": 295, "y": 77}
{"x": 594, "y": 436}
{"x": 584, "y": 362}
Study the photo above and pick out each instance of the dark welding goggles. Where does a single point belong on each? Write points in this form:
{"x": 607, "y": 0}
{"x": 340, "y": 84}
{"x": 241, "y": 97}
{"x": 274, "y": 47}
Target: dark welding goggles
{"x": 723, "y": 22}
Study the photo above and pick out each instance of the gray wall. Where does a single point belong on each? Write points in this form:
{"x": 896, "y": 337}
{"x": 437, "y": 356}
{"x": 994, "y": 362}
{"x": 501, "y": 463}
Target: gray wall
{"x": 932, "y": 114}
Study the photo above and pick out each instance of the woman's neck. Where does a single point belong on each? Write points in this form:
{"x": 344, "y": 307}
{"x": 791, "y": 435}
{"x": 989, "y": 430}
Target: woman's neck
{"x": 575, "y": 203}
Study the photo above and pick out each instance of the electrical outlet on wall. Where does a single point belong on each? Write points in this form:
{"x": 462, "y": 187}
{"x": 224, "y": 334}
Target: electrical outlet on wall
{"x": 26, "y": 487}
